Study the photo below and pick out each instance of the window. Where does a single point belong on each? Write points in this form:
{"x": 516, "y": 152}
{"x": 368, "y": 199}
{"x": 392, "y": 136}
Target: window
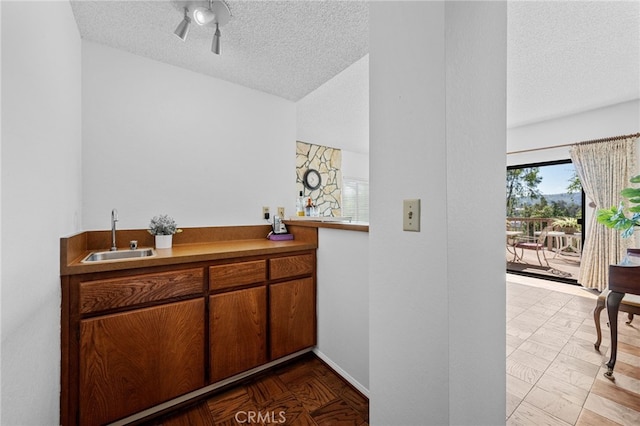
{"x": 544, "y": 206}
{"x": 355, "y": 199}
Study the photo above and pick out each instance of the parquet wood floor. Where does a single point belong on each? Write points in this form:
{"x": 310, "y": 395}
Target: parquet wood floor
{"x": 304, "y": 392}
{"x": 554, "y": 374}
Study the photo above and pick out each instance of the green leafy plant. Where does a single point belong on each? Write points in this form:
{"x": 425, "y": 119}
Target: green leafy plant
{"x": 566, "y": 222}
{"x": 163, "y": 225}
{"x": 617, "y": 218}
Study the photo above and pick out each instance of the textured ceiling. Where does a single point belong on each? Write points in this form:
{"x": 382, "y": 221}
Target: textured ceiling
{"x": 285, "y": 48}
{"x": 563, "y": 56}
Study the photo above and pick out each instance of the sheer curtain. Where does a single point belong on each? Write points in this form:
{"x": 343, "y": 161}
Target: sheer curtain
{"x": 604, "y": 169}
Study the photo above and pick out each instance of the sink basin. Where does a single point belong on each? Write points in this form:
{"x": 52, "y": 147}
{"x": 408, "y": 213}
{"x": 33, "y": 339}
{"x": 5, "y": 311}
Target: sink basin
{"x": 101, "y": 256}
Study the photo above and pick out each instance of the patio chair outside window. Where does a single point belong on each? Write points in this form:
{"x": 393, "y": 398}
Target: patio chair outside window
{"x": 534, "y": 243}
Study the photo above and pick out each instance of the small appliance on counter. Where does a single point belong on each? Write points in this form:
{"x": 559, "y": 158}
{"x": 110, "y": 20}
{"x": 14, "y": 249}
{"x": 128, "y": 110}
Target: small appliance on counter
{"x": 279, "y": 231}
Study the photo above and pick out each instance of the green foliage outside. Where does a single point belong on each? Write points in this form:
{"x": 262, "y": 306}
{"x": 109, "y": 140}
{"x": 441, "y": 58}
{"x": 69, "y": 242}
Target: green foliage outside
{"x": 522, "y": 184}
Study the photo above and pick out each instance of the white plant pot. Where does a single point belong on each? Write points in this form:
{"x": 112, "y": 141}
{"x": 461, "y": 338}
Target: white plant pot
{"x": 164, "y": 241}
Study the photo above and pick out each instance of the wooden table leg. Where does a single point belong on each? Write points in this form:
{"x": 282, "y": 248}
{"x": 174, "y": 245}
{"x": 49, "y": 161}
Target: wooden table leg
{"x": 613, "y": 305}
{"x": 600, "y": 304}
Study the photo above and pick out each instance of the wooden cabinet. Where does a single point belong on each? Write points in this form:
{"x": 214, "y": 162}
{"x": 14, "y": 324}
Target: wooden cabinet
{"x": 292, "y": 304}
{"x": 134, "y": 360}
{"x": 133, "y": 340}
{"x": 103, "y": 294}
{"x": 293, "y": 316}
{"x": 238, "y": 319}
{"x": 291, "y": 266}
{"x": 238, "y": 330}
{"x": 237, "y": 274}
{"x": 130, "y": 342}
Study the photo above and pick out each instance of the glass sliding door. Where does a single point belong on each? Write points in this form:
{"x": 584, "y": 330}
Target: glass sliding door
{"x": 544, "y": 220}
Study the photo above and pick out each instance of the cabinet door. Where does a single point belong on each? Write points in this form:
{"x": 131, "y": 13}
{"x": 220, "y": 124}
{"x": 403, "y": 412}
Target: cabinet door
{"x": 134, "y": 360}
{"x": 238, "y": 324}
{"x": 292, "y": 310}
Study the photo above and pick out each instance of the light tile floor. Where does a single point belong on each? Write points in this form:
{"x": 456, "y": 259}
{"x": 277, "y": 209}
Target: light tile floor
{"x": 554, "y": 374}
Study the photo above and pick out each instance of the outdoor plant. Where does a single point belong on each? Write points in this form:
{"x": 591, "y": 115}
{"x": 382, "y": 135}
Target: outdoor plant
{"x": 163, "y": 225}
{"x": 566, "y": 223}
{"x": 617, "y": 218}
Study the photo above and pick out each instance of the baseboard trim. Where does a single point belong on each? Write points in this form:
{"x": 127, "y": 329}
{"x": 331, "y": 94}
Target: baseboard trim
{"x": 346, "y": 376}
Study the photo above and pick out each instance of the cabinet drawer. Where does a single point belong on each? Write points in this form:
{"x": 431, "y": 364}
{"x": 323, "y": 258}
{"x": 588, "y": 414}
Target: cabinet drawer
{"x": 100, "y": 295}
{"x": 291, "y": 266}
{"x": 237, "y": 274}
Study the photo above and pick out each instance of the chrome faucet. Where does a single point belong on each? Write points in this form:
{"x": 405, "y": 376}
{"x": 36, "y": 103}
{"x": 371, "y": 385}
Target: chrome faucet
{"x": 114, "y": 219}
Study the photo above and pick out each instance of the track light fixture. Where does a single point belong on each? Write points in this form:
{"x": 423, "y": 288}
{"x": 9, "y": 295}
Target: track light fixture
{"x": 183, "y": 27}
{"x": 207, "y": 13}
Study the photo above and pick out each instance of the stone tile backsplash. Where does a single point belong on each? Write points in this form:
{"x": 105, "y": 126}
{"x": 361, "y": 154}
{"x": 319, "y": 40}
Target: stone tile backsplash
{"x": 327, "y": 161}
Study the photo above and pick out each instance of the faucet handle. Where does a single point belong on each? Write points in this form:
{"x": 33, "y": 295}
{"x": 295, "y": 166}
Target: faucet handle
{"x": 133, "y": 244}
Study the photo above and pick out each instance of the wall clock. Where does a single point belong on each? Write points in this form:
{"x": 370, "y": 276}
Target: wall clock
{"x": 312, "y": 179}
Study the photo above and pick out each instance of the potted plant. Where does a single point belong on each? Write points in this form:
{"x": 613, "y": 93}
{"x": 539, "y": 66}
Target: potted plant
{"x": 617, "y": 218}
{"x": 163, "y": 227}
{"x": 568, "y": 225}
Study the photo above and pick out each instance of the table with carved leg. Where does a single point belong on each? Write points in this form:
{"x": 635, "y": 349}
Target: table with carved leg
{"x": 622, "y": 280}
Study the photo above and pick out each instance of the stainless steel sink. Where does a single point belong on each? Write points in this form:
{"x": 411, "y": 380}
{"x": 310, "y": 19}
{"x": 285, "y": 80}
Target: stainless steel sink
{"x": 101, "y": 256}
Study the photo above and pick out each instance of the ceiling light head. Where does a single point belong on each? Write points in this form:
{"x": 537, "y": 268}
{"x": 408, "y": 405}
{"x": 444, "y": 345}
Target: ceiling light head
{"x": 182, "y": 30}
{"x": 203, "y": 16}
{"x": 215, "y": 46}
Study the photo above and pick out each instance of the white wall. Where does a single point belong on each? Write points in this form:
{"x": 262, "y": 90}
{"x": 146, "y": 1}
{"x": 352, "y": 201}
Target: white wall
{"x": 409, "y": 335}
{"x": 476, "y": 46}
{"x": 337, "y": 113}
{"x": 355, "y": 165}
{"x": 160, "y": 139}
{"x": 343, "y": 303}
{"x": 614, "y": 120}
{"x": 438, "y": 134}
{"x": 41, "y": 178}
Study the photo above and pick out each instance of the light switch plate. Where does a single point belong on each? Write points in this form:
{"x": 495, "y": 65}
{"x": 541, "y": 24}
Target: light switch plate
{"x": 411, "y": 215}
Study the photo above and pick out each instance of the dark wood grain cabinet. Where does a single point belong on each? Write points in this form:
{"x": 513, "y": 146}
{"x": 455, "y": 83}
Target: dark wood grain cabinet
{"x": 134, "y": 360}
{"x": 292, "y": 316}
{"x": 133, "y": 340}
{"x": 292, "y": 304}
{"x": 238, "y": 330}
{"x": 280, "y": 313}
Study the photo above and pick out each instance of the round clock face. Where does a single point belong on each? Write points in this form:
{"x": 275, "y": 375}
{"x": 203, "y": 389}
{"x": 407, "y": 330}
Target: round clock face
{"x": 312, "y": 179}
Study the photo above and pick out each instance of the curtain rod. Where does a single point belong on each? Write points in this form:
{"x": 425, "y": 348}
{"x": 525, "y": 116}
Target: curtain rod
{"x": 612, "y": 139}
